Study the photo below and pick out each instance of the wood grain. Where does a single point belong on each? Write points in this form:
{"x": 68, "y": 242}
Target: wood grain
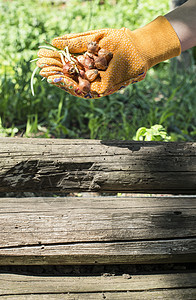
{"x": 176, "y": 294}
{"x": 55, "y": 165}
{"x": 150, "y": 286}
{"x": 77, "y": 230}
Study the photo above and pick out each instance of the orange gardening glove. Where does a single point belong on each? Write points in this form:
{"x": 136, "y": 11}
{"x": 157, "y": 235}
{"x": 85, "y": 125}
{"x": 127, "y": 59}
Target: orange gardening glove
{"x": 134, "y": 52}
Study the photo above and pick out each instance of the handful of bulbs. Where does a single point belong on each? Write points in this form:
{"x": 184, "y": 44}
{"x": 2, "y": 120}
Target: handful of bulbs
{"x": 85, "y": 68}
{"x": 82, "y": 68}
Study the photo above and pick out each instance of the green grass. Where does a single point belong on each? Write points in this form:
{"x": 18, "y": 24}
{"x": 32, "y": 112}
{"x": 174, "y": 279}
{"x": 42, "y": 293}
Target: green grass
{"x": 165, "y": 97}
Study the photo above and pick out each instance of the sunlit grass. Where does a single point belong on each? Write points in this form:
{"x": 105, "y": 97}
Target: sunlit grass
{"x": 165, "y": 97}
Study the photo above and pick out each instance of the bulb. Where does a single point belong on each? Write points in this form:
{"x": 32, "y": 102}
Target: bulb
{"x": 93, "y": 47}
{"x": 84, "y": 85}
{"x": 105, "y": 53}
{"x": 69, "y": 70}
{"x": 80, "y": 59}
{"x": 101, "y": 63}
{"x": 89, "y": 63}
{"x": 91, "y": 75}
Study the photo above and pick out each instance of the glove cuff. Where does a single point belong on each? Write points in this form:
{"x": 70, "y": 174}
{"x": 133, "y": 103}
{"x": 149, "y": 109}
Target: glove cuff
{"x": 156, "y": 42}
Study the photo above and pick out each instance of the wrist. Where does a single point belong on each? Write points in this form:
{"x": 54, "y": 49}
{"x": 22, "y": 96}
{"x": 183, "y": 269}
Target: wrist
{"x": 183, "y": 20}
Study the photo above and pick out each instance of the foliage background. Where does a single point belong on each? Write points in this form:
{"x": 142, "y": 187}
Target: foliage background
{"x": 165, "y": 97}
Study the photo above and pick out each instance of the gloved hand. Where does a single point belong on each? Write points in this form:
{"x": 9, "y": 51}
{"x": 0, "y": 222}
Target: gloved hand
{"x": 134, "y": 52}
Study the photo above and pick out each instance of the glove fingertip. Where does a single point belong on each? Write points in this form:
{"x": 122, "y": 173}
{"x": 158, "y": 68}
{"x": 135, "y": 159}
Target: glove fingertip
{"x": 59, "y": 43}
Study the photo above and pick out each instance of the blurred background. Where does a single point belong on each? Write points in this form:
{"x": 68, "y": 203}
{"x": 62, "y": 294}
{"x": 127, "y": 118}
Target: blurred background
{"x": 161, "y": 107}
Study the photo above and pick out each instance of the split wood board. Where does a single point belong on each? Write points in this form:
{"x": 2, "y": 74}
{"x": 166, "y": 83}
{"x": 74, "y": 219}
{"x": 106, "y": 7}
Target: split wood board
{"x": 160, "y": 286}
{"x": 104, "y": 230}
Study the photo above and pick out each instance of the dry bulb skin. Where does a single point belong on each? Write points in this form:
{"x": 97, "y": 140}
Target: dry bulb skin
{"x": 82, "y": 69}
{"x": 91, "y": 75}
{"x": 84, "y": 84}
{"x": 88, "y": 63}
{"x": 69, "y": 70}
{"x": 105, "y": 53}
{"x": 93, "y": 47}
{"x": 101, "y": 63}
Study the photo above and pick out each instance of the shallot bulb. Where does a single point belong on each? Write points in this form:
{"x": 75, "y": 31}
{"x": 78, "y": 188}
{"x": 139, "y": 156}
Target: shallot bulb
{"x": 91, "y": 75}
{"x": 93, "y": 47}
{"x": 101, "y": 63}
{"x": 88, "y": 63}
{"x": 105, "y": 53}
{"x": 69, "y": 69}
{"x": 84, "y": 85}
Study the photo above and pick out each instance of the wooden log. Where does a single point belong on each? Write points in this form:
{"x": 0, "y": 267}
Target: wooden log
{"x": 54, "y": 165}
{"x": 102, "y": 230}
{"x": 157, "y": 286}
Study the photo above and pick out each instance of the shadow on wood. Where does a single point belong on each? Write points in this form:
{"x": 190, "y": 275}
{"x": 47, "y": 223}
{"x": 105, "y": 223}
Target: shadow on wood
{"x": 38, "y": 165}
{"x": 100, "y": 230}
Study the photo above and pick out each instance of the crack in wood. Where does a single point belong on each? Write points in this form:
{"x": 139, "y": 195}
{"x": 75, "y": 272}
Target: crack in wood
{"x": 128, "y": 291}
{"x": 40, "y": 245}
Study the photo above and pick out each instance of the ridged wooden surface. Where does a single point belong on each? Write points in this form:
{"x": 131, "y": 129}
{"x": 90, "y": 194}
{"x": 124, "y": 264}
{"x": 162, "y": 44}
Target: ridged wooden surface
{"x": 55, "y": 165}
{"x": 103, "y": 230}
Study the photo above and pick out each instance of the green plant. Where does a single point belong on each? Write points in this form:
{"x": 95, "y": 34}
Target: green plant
{"x": 154, "y": 133}
{"x": 4, "y": 132}
{"x": 166, "y": 97}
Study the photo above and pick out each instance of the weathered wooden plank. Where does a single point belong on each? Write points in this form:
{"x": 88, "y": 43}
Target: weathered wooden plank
{"x": 76, "y": 230}
{"x": 43, "y": 220}
{"x": 159, "y": 251}
{"x": 176, "y": 294}
{"x": 92, "y": 165}
{"x": 13, "y": 284}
